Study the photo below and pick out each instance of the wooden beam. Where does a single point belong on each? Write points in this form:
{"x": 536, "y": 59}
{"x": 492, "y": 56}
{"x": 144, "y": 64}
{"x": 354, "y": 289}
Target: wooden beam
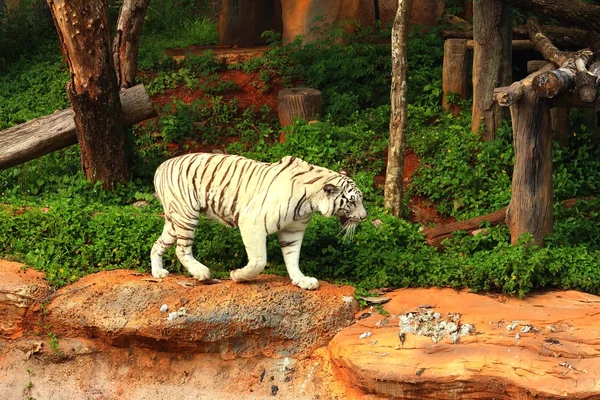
{"x": 53, "y": 132}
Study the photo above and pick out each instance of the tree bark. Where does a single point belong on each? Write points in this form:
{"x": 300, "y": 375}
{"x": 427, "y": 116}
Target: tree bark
{"x": 53, "y": 132}
{"x": 492, "y": 65}
{"x": 83, "y": 30}
{"x": 127, "y": 40}
{"x": 454, "y": 72}
{"x": 530, "y": 209}
{"x": 570, "y": 12}
{"x": 398, "y": 118}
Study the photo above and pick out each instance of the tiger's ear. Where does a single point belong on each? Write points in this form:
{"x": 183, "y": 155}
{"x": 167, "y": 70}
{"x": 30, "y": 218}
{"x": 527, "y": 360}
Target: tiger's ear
{"x": 343, "y": 172}
{"x": 330, "y": 189}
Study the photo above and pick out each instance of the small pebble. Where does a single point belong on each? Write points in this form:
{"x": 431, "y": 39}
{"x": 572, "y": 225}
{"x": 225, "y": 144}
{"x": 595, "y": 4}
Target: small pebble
{"x": 164, "y": 308}
{"x": 172, "y": 316}
{"x": 365, "y": 335}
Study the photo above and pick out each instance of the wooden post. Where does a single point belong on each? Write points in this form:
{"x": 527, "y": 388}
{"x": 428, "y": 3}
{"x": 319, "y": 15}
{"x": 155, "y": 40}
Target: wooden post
{"x": 530, "y": 209}
{"x": 492, "y": 65}
{"x": 293, "y": 103}
{"x": 454, "y": 72}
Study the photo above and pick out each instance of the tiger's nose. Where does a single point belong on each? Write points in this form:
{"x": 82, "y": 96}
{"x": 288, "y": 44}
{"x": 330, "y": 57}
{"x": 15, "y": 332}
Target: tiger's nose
{"x": 362, "y": 213}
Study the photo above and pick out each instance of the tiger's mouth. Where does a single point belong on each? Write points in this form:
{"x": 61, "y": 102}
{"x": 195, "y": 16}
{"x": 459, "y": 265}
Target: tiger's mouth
{"x": 345, "y": 220}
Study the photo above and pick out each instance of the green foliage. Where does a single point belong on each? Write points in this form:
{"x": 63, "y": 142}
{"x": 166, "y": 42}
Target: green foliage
{"x": 25, "y": 29}
{"x": 171, "y": 31}
{"x": 54, "y": 220}
{"x": 464, "y": 176}
{"x": 31, "y": 88}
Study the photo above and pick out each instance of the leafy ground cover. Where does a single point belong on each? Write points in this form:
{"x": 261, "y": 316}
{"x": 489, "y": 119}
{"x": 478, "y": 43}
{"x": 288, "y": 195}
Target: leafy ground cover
{"x": 54, "y": 221}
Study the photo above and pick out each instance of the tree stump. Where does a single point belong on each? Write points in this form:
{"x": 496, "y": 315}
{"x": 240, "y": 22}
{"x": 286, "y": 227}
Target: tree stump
{"x": 454, "y": 72}
{"x": 294, "y": 103}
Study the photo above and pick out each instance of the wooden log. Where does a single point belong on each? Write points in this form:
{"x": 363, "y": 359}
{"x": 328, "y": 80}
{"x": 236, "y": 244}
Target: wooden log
{"x": 586, "y": 82}
{"x": 561, "y": 36}
{"x": 535, "y": 65}
{"x": 53, "y": 132}
{"x": 492, "y": 55}
{"x": 530, "y": 209}
{"x": 507, "y": 96}
{"x": 294, "y": 103}
{"x": 517, "y": 44}
{"x": 436, "y": 234}
{"x": 551, "y": 83}
{"x": 454, "y": 73}
{"x": 544, "y": 45}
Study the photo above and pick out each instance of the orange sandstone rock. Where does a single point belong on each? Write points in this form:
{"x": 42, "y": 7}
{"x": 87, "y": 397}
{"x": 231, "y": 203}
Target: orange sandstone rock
{"x": 20, "y": 290}
{"x": 544, "y": 347}
{"x": 266, "y": 316}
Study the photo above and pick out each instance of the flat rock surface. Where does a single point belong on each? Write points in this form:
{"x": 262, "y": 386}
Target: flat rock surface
{"x": 20, "y": 289}
{"x": 544, "y": 347}
{"x": 266, "y": 316}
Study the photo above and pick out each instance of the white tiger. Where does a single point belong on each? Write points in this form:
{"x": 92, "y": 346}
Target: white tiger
{"x": 259, "y": 198}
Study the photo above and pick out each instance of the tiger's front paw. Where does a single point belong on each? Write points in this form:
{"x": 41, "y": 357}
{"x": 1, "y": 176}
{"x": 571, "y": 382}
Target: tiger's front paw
{"x": 200, "y": 272}
{"x": 306, "y": 282}
{"x": 160, "y": 273}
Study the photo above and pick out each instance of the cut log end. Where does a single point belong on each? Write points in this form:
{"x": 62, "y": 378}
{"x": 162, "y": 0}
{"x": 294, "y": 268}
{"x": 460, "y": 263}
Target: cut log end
{"x": 546, "y": 85}
{"x": 298, "y": 103}
{"x": 587, "y": 94}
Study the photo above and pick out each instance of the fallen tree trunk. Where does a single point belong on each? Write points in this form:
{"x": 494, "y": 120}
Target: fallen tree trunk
{"x": 436, "y": 234}
{"x": 53, "y": 132}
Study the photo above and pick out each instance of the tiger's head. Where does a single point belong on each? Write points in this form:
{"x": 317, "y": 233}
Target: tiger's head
{"x": 341, "y": 197}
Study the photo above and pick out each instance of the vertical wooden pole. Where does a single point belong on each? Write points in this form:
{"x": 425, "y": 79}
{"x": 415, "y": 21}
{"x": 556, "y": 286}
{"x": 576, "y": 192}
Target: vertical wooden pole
{"x": 398, "y": 118}
{"x": 559, "y": 117}
{"x": 454, "y": 72}
{"x": 530, "y": 209}
{"x": 492, "y": 63}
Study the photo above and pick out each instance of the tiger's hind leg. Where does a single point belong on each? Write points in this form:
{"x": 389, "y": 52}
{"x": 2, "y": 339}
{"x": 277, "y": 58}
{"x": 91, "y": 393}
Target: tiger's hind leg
{"x": 164, "y": 242}
{"x": 185, "y": 229}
